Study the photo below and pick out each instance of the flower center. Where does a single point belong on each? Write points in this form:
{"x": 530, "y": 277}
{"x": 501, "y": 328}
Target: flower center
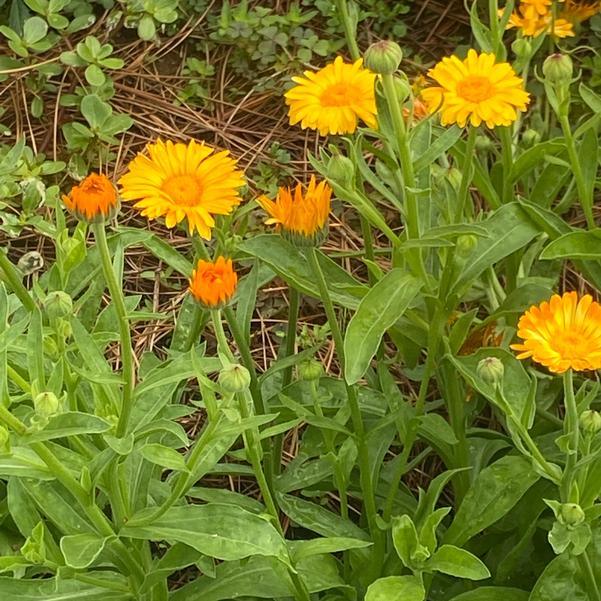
{"x": 475, "y": 88}
{"x": 337, "y": 95}
{"x": 184, "y": 190}
{"x": 570, "y": 345}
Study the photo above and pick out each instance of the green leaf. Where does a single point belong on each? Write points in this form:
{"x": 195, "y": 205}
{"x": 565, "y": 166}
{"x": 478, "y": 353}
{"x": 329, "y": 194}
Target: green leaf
{"x": 320, "y": 546}
{"x": 71, "y": 423}
{"x": 493, "y": 593}
{"x": 24, "y": 463}
{"x": 146, "y": 28}
{"x": 440, "y": 145}
{"x": 222, "y": 531}
{"x": 492, "y": 495}
{"x": 509, "y": 229}
{"x": 95, "y": 110}
{"x": 560, "y": 581}
{"x": 291, "y": 265}
{"x": 34, "y": 30}
{"x": 164, "y": 456}
{"x": 80, "y": 550}
{"x": 406, "y": 542}
{"x": 94, "y": 75}
{"x": 452, "y": 560}
{"x": 378, "y": 311}
{"x": 575, "y": 245}
{"x": 60, "y": 589}
{"x": 396, "y": 588}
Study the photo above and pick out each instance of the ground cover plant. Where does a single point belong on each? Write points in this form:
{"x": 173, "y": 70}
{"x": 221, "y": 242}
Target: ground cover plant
{"x": 422, "y": 424}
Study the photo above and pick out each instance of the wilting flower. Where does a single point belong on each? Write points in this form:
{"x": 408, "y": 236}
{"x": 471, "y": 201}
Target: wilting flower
{"x": 475, "y": 90}
{"x": 417, "y": 110}
{"x": 94, "y": 199}
{"x": 333, "y": 99}
{"x": 213, "y": 283}
{"x": 533, "y": 24}
{"x": 562, "y": 333}
{"x": 183, "y": 181}
{"x": 302, "y": 216}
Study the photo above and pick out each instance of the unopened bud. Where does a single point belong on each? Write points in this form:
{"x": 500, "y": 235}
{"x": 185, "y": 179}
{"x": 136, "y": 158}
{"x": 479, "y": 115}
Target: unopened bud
{"x": 58, "y": 304}
{"x": 234, "y": 378}
{"x": 558, "y": 69}
{"x": 383, "y": 57}
{"x": 522, "y": 48}
{"x": 571, "y": 514}
{"x": 530, "y": 137}
{"x": 403, "y": 89}
{"x": 491, "y": 370}
{"x": 46, "y": 404}
{"x": 465, "y": 244}
{"x": 590, "y": 421}
{"x": 341, "y": 170}
{"x": 484, "y": 143}
{"x": 310, "y": 370}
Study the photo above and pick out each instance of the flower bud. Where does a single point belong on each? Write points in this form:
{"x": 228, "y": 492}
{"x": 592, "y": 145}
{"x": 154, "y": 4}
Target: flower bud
{"x": 46, "y": 404}
{"x": 530, "y": 137}
{"x": 558, "y": 69}
{"x": 310, "y": 370}
{"x": 4, "y": 441}
{"x": 383, "y": 57}
{"x": 465, "y": 244}
{"x": 403, "y": 89}
{"x": 58, "y": 304}
{"x": 484, "y": 143}
{"x": 234, "y": 378}
{"x": 341, "y": 170}
{"x": 571, "y": 514}
{"x": 491, "y": 370}
{"x": 522, "y": 48}
{"x": 590, "y": 421}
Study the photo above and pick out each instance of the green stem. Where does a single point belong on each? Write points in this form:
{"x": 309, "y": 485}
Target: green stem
{"x": 366, "y": 482}
{"x": 294, "y": 303}
{"x": 15, "y": 377}
{"x": 127, "y": 356}
{"x": 586, "y": 567}
{"x": 12, "y": 276}
{"x": 571, "y": 431}
{"x": 586, "y": 198}
{"x": 349, "y": 29}
{"x": 507, "y": 159}
{"x": 466, "y": 176}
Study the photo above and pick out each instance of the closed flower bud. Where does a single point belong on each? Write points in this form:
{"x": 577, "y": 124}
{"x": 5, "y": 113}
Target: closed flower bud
{"x": 590, "y": 421}
{"x": 484, "y": 143}
{"x": 558, "y": 69}
{"x": 531, "y": 137}
{"x": 571, "y": 514}
{"x": 403, "y": 89}
{"x": 491, "y": 370}
{"x": 58, "y": 304}
{"x": 383, "y": 57}
{"x": 234, "y": 378}
{"x": 310, "y": 370}
{"x": 341, "y": 170}
{"x": 465, "y": 244}
{"x": 522, "y": 48}
{"x": 46, "y": 404}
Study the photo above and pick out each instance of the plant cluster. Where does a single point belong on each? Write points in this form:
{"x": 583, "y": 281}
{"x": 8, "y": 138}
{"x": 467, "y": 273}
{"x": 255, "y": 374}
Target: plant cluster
{"x": 449, "y": 447}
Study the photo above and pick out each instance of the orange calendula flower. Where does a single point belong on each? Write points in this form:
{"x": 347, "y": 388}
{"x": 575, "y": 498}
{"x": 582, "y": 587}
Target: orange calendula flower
{"x": 333, "y": 99}
{"x": 532, "y": 24}
{"x": 213, "y": 283}
{"x": 302, "y": 216}
{"x": 577, "y": 11}
{"x": 563, "y": 333}
{"x": 94, "y": 199}
{"x": 183, "y": 181}
{"x": 475, "y": 90}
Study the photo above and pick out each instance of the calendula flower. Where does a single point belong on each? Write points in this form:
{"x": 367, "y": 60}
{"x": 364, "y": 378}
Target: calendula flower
{"x": 213, "y": 283}
{"x": 183, "y": 181}
{"x": 301, "y": 215}
{"x": 562, "y": 333}
{"x": 539, "y": 7}
{"x": 532, "y": 24}
{"x": 333, "y": 99}
{"x": 94, "y": 199}
{"x": 476, "y": 89}
{"x": 577, "y": 11}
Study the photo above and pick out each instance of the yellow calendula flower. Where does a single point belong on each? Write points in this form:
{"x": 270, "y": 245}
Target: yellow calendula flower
{"x": 475, "y": 90}
{"x": 333, "y": 99}
{"x": 539, "y": 7}
{"x": 301, "y": 215}
{"x": 183, "y": 181}
{"x": 532, "y": 24}
{"x": 577, "y": 11}
{"x": 562, "y": 333}
{"x": 94, "y": 199}
{"x": 213, "y": 283}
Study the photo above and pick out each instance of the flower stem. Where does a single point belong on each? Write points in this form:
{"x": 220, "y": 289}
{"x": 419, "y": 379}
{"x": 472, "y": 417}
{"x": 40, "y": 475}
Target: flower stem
{"x": 571, "y": 431}
{"x": 10, "y": 273}
{"x": 294, "y": 303}
{"x": 466, "y": 175}
{"x": 127, "y": 356}
{"x": 349, "y": 29}
{"x": 507, "y": 159}
{"x": 367, "y": 486}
